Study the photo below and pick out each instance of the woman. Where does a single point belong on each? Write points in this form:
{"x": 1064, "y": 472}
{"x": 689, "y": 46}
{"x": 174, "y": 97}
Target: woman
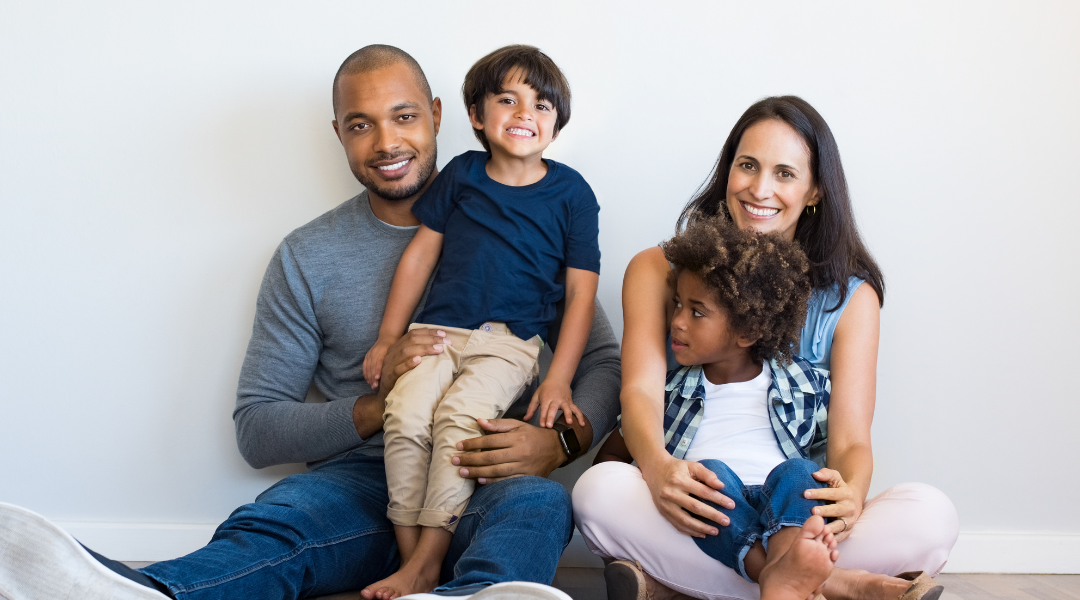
{"x": 779, "y": 171}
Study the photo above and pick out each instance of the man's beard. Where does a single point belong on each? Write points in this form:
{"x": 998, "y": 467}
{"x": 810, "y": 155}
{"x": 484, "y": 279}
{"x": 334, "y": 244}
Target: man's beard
{"x": 423, "y": 173}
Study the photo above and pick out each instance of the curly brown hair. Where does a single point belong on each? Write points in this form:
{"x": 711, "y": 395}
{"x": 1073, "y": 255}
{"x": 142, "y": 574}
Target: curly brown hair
{"x": 761, "y": 280}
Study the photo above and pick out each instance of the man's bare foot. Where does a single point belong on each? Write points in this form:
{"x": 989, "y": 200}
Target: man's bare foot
{"x": 849, "y": 584}
{"x": 410, "y": 579}
{"x": 799, "y": 573}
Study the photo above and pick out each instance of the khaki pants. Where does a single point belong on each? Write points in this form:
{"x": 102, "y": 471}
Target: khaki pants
{"x": 435, "y": 406}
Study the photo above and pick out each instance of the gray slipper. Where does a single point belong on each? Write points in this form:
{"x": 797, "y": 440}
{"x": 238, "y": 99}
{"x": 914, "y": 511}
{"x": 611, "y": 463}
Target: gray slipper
{"x": 40, "y": 561}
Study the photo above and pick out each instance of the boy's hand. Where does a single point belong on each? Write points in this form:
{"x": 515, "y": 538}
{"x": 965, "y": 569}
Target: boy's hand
{"x": 373, "y": 361}
{"x": 551, "y": 397}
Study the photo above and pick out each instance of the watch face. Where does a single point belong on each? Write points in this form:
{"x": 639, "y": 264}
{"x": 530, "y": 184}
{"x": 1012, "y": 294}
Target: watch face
{"x": 570, "y": 441}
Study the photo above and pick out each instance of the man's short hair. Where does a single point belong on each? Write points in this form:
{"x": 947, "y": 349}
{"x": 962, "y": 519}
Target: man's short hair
{"x": 375, "y": 57}
{"x": 760, "y": 279}
{"x": 540, "y": 73}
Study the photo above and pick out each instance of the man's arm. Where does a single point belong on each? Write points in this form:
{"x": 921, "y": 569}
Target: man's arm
{"x": 274, "y": 425}
{"x": 517, "y": 448}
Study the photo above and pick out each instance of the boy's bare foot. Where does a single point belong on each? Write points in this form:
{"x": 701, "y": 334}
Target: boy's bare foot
{"x": 420, "y": 571}
{"x": 410, "y": 579}
{"x": 799, "y": 573}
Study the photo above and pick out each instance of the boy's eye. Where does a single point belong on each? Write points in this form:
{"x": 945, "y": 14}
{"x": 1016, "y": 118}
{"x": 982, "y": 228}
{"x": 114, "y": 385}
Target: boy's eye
{"x": 543, "y": 107}
{"x": 678, "y": 304}
{"x": 698, "y": 314}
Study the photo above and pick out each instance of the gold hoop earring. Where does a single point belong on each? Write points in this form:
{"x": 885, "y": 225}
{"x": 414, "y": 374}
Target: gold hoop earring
{"x": 811, "y": 214}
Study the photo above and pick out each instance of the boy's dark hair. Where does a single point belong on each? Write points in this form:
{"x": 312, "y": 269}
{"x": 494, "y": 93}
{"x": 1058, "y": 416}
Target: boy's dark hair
{"x": 828, "y": 233}
{"x": 541, "y": 74}
{"x": 761, "y": 280}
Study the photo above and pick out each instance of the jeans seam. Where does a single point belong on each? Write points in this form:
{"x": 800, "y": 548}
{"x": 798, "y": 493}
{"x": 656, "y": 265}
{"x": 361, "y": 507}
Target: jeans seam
{"x": 301, "y": 548}
{"x": 479, "y": 512}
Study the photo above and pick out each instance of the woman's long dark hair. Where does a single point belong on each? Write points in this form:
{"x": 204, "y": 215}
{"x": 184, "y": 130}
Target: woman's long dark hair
{"x": 829, "y": 235}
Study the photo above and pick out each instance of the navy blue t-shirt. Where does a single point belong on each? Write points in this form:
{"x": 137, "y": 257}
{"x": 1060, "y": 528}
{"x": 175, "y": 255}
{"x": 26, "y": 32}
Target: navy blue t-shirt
{"x": 505, "y": 246}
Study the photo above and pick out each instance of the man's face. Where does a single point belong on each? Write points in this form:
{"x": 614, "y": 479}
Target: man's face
{"x": 387, "y": 126}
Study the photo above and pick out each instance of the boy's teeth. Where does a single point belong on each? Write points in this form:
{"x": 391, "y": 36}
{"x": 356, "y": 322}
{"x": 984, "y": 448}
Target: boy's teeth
{"x": 394, "y": 167}
{"x": 761, "y": 212}
{"x": 517, "y": 131}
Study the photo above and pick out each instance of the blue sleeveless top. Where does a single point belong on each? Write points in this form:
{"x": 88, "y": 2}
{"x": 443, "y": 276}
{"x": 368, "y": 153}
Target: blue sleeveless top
{"x": 817, "y": 334}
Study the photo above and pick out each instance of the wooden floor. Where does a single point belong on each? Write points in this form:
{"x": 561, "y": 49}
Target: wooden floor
{"x": 588, "y": 584}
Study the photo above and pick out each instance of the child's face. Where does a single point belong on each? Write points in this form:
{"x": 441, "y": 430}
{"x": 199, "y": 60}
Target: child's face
{"x": 700, "y": 331}
{"x": 516, "y": 122}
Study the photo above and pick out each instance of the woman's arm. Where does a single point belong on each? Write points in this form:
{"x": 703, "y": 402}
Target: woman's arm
{"x": 849, "y": 456}
{"x": 554, "y": 393}
{"x": 411, "y": 277}
{"x": 647, "y": 307}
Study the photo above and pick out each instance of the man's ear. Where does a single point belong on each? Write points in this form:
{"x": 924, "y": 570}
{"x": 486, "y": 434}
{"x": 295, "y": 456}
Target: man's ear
{"x": 436, "y": 113}
{"x": 476, "y": 122}
{"x": 337, "y": 132}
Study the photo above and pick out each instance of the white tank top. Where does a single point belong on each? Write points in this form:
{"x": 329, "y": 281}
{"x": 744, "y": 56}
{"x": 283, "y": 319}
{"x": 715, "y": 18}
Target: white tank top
{"x": 736, "y": 429}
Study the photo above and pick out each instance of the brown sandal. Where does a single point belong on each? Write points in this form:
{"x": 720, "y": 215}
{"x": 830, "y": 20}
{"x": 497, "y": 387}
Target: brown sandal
{"x": 923, "y": 586}
{"x": 625, "y": 581}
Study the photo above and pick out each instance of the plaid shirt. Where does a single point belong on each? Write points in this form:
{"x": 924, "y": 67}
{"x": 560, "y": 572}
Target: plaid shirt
{"x": 798, "y": 408}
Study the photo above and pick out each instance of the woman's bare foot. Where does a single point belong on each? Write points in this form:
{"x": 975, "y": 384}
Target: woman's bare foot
{"x": 850, "y": 584}
{"x": 799, "y": 573}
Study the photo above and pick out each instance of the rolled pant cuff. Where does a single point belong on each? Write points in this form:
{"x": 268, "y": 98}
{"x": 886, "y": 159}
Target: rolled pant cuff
{"x": 430, "y": 517}
{"x": 404, "y": 517}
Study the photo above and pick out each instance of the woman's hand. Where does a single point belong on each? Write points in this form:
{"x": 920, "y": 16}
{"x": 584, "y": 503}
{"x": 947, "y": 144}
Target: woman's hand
{"x": 844, "y": 504}
{"x": 672, "y": 483}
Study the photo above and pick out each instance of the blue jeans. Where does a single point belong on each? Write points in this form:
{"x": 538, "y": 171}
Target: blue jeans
{"x": 326, "y": 531}
{"x": 760, "y": 510}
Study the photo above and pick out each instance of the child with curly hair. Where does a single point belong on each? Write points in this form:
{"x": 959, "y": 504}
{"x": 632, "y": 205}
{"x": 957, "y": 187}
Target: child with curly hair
{"x": 742, "y": 413}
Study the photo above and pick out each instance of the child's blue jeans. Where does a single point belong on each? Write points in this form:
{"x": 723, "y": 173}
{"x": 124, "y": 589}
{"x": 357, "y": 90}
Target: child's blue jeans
{"x": 760, "y": 510}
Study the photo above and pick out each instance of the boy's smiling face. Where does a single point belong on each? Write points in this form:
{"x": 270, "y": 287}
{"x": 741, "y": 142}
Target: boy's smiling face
{"x": 517, "y": 123}
{"x": 701, "y": 333}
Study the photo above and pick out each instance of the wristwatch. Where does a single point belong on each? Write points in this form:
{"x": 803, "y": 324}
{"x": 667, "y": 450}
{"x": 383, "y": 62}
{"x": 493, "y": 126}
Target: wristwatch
{"x": 568, "y": 440}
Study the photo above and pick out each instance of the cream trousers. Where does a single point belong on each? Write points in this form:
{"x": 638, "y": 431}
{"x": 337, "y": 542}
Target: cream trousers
{"x": 435, "y": 406}
{"x": 908, "y": 527}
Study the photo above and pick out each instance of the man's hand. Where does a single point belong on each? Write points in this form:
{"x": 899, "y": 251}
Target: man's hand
{"x": 513, "y": 448}
{"x": 552, "y": 397}
{"x": 400, "y": 358}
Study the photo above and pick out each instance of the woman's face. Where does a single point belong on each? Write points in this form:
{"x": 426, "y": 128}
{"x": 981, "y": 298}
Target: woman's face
{"x": 770, "y": 183}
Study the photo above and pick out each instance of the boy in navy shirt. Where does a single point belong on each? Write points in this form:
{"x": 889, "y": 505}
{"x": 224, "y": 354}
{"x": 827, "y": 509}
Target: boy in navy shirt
{"x": 507, "y": 224}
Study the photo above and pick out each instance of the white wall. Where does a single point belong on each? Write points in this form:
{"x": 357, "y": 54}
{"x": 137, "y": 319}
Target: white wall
{"x": 152, "y": 155}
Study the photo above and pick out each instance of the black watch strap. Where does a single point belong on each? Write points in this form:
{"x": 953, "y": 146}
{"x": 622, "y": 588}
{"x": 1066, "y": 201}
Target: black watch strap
{"x": 569, "y": 442}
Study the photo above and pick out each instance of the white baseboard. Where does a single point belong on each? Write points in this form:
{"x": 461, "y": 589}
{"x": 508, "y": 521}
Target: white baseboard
{"x": 975, "y": 552}
{"x": 140, "y": 542}
{"x": 1015, "y": 553}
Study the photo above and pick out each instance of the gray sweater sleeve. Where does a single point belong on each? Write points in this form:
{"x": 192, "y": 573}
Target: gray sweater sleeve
{"x": 274, "y": 425}
{"x": 597, "y": 382}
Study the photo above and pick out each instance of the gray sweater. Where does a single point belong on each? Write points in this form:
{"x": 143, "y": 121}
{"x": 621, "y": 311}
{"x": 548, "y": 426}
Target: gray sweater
{"x": 319, "y": 310}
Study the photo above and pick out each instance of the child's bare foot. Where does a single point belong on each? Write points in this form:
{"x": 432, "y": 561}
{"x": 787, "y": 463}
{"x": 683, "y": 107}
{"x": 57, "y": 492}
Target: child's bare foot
{"x": 419, "y": 571}
{"x": 799, "y": 573}
{"x": 409, "y": 579}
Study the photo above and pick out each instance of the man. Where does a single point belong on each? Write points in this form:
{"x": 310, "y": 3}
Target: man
{"x": 318, "y": 311}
